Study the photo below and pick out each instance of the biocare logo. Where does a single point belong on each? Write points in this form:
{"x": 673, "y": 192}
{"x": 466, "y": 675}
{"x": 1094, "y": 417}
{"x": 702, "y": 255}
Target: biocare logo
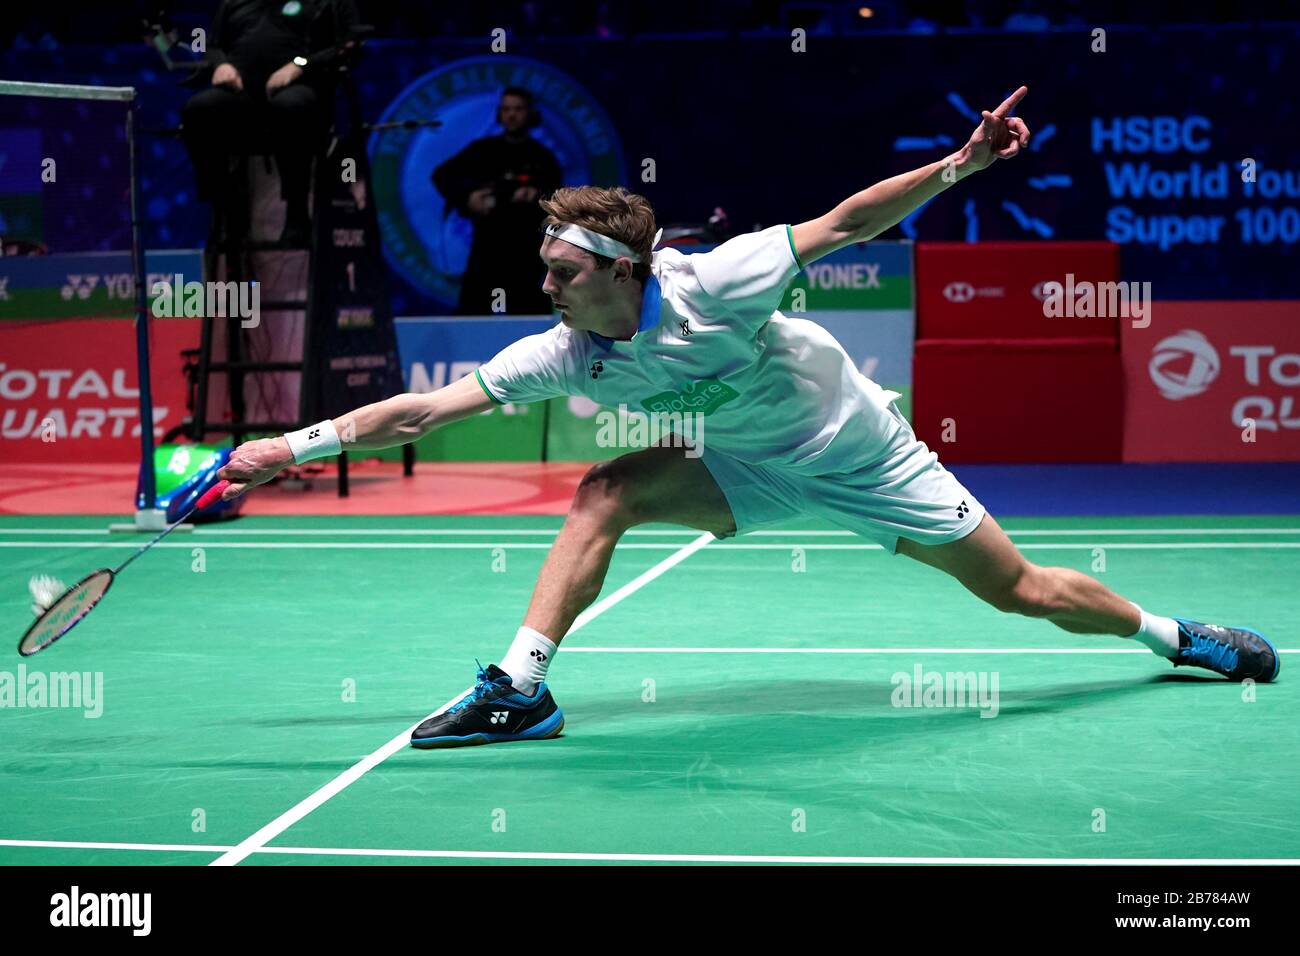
{"x": 700, "y": 398}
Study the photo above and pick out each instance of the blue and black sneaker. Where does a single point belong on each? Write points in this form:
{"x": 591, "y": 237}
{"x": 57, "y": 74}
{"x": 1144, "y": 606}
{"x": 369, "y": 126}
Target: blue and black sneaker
{"x": 491, "y": 713}
{"x": 1237, "y": 653}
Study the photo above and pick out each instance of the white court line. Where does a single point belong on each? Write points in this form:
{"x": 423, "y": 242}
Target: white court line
{"x": 742, "y": 858}
{"x": 78, "y": 845}
{"x": 355, "y": 772}
{"x": 415, "y": 532}
{"x": 452, "y": 532}
{"x": 642, "y": 579}
{"x": 1042, "y": 546}
{"x": 309, "y": 545}
{"x": 1153, "y": 531}
{"x": 866, "y": 650}
{"x": 854, "y": 650}
{"x": 672, "y": 857}
{"x": 621, "y": 546}
{"x": 366, "y": 545}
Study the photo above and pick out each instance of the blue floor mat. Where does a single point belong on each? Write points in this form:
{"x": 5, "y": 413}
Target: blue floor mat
{"x": 1163, "y": 489}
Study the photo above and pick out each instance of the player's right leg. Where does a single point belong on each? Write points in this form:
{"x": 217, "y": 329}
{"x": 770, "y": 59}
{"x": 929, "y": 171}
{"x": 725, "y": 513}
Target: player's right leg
{"x": 512, "y": 702}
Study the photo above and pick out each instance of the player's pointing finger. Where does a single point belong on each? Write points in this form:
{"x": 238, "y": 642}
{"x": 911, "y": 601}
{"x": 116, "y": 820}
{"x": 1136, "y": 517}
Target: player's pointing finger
{"x": 1010, "y": 102}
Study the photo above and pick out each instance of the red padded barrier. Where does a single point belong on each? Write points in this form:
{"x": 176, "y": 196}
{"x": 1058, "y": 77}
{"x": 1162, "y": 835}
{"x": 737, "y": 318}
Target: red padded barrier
{"x": 994, "y": 290}
{"x": 1037, "y": 400}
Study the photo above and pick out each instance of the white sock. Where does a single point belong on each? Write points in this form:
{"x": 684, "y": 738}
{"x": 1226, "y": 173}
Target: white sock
{"x": 1158, "y": 633}
{"x": 527, "y": 660}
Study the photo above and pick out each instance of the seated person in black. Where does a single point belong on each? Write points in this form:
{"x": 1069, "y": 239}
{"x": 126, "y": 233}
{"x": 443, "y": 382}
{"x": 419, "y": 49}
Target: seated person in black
{"x": 271, "y": 64}
{"x": 497, "y": 181}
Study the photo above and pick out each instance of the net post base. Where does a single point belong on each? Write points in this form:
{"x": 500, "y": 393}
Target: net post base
{"x": 150, "y": 520}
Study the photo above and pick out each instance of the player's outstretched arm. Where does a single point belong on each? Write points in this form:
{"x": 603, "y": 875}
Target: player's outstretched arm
{"x": 394, "y": 421}
{"x": 867, "y": 214}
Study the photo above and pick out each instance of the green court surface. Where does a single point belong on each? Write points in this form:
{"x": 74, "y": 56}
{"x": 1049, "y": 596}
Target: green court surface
{"x": 733, "y": 700}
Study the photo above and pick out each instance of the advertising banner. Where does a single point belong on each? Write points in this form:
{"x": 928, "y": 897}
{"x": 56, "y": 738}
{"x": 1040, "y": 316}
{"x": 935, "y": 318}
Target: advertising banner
{"x": 864, "y": 296}
{"x": 1213, "y": 381}
{"x": 69, "y": 391}
{"x": 68, "y": 384}
{"x": 438, "y": 351}
{"x": 998, "y": 290}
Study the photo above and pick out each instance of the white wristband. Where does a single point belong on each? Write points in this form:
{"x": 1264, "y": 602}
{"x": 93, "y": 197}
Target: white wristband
{"x": 316, "y": 441}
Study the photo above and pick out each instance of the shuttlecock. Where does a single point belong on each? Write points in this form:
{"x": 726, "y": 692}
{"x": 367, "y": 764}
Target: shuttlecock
{"x": 45, "y": 591}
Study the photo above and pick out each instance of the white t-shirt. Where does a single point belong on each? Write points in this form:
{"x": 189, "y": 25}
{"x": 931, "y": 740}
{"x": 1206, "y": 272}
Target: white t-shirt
{"x": 771, "y": 389}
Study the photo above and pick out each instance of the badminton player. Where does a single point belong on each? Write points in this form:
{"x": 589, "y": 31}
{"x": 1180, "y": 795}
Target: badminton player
{"x": 790, "y": 428}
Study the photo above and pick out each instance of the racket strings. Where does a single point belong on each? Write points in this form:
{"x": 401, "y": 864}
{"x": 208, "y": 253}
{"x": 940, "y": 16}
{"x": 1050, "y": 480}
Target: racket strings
{"x": 67, "y": 608}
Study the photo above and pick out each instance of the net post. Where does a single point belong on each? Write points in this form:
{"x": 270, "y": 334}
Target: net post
{"x": 147, "y": 515}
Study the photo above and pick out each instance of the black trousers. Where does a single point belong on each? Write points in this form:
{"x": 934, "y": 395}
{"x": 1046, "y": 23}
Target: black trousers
{"x": 220, "y": 122}
{"x": 504, "y": 256}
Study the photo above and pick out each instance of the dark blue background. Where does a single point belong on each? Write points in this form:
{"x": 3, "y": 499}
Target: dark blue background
{"x": 775, "y": 136}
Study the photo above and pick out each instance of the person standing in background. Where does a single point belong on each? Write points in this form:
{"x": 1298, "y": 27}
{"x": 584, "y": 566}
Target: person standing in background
{"x": 496, "y": 182}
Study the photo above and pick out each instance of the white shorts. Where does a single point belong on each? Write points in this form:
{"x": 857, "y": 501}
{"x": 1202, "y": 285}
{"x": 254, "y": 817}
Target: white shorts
{"x": 905, "y": 492}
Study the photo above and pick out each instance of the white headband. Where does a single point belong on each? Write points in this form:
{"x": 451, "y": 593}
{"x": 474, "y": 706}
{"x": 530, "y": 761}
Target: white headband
{"x": 595, "y": 242}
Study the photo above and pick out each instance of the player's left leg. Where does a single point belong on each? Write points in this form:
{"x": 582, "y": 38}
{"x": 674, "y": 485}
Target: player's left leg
{"x": 990, "y": 567}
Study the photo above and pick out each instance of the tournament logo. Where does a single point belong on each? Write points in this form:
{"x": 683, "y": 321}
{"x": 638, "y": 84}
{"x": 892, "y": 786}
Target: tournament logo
{"x": 427, "y": 245}
{"x": 1184, "y": 365}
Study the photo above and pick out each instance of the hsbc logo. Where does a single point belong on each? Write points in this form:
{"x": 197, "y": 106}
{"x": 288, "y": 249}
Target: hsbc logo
{"x": 959, "y": 292}
{"x": 1183, "y": 365}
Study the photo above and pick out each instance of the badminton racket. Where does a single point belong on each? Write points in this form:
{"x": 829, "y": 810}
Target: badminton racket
{"x": 59, "y": 610}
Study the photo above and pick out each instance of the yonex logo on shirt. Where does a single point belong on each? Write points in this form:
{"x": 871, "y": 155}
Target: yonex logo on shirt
{"x": 701, "y": 398}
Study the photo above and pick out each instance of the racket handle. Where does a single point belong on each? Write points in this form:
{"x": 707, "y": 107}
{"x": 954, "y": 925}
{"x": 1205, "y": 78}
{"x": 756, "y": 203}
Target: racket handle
{"x": 212, "y": 495}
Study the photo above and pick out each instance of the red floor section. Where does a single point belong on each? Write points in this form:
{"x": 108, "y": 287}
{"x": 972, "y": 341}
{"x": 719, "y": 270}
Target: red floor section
{"x": 377, "y": 488}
